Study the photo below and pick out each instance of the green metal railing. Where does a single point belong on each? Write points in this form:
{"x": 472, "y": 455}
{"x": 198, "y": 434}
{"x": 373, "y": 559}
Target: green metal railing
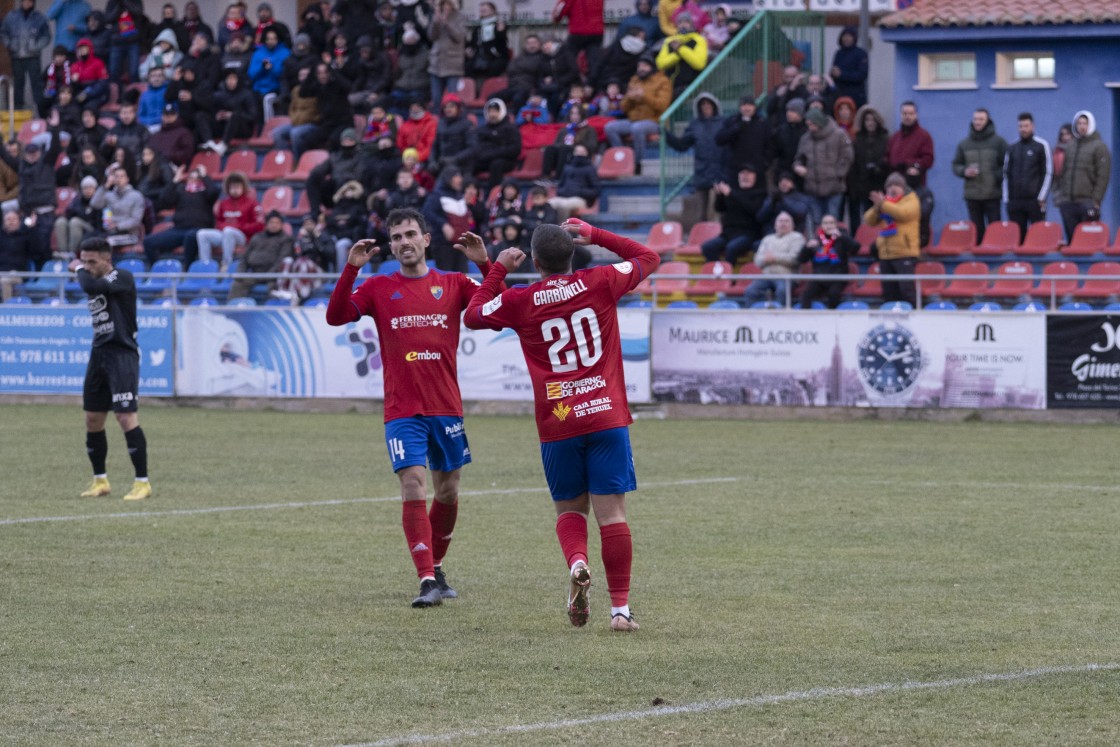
{"x": 751, "y": 63}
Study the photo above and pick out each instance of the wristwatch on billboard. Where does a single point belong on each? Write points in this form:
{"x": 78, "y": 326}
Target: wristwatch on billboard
{"x": 890, "y": 361}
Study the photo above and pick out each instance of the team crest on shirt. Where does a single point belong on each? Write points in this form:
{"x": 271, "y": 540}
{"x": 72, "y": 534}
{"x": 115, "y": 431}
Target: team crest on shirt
{"x": 437, "y": 291}
{"x": 561, "y": 411}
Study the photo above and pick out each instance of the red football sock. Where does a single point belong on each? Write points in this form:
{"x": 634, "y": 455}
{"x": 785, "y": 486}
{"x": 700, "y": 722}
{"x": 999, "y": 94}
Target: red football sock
{"x": 418, "y": 534}
{"x": 442, "y": 519}
{"x": 618, "y": 551}
{"x": 571, "y": 530}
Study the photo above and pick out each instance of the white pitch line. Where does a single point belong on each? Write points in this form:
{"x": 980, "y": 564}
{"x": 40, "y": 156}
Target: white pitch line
{"x": 1016, "y": 485}
{"x": 795, "y": 696}
{"x": 313, "y": 504}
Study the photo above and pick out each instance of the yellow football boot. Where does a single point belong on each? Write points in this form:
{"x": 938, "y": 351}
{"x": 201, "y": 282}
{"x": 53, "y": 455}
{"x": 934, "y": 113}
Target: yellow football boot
{"x": 141, "y": 489}
{"x": 97, "y": 489}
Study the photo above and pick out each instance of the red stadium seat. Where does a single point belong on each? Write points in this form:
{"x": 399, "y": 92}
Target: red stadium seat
{"x": 466, "y": 89}
{"x": 277, "y": 164}
{"x": 531, "y": 167}
{"x": 208, "y": 159}
{"x": 1093, "y": 287}
{"x": 967, "y": 288}
{"x": 65, "y": 196}
{"x": 866, "y": 236}
{"x": 664, "y": 237}
{"x": 932, "y": 287}
{"x": 999, "y": 238}
{"x": 265, "y": 139}
{"x": 870, "y": 286}
{"x": 1070, "y": 274}
{"x": 278, "y": 197}
{"x": 1013, "y": 279}
{"x": 712, "y": 281}
{"x": 1088, "y": 239}
{"x": 956, "y": 238}
{"x": 1042, "y": 238}
{"x": 30, "y": 129}
{"x": 244, "y": 161}
{"x": 671, "y": 289}
{"x": 617, "y": 163}
{"x": 700, "y": 232}
{"x": 490, "y": 86}
{"x": 309, "y": 160}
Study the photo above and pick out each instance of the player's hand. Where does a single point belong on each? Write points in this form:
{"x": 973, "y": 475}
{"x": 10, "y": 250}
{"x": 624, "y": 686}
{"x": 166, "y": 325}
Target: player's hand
{"x": 580, "y": 231}
{"x": 362, "y": 252}
{"x": 74, "y": 264}
{"x": 511, "y": 258}
{"x": 472, "y": 246}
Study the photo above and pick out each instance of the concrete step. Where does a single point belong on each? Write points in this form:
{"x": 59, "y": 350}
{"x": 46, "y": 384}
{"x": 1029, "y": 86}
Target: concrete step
{"x": 624, "y": 204}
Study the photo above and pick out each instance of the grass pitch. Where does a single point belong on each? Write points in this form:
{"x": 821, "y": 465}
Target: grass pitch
{"x": 782, "y": 571}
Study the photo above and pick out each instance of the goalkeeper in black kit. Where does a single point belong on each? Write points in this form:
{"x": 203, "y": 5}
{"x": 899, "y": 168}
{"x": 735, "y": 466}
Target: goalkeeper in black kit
{"x": 113, "y": 375}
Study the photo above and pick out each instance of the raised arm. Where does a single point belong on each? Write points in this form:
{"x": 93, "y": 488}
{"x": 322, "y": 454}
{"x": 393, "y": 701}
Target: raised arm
{"x": 341, "y": 309}
{"x": 642, "y": 256}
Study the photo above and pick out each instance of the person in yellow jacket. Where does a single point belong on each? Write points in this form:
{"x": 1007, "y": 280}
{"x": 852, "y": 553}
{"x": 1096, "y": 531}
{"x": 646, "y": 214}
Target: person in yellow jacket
{"x": 683, "y": 55}
{"x": 897, "y": 213}
{"x": 647, "y": 97}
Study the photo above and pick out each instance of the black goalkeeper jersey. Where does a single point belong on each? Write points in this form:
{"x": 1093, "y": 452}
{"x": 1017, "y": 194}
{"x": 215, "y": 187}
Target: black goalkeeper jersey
{"x": 112, "y": 306}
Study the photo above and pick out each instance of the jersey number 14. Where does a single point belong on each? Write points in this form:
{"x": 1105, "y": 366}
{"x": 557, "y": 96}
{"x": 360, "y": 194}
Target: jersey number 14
{"x": 583, "y": 326}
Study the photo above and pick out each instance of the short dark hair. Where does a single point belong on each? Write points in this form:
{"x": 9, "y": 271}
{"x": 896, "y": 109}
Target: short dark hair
{"x": 981, "y": 109}
{"x": 552, "y": 248}
{"x": 95, "y": 244}
{"x": 907, "y": 103}
{"x": 1026, "y": 116}
{"x": 398, "y": 216}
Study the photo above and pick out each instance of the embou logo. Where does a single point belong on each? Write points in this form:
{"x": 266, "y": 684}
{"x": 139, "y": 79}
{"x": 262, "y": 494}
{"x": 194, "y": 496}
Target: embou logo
{"x": 984, "y": 333}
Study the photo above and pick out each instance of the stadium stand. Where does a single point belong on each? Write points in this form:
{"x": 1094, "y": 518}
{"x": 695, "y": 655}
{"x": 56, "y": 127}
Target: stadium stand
{"x": 1087, "y": 240}
{"x": 1042, "y": 238}
{"x": 1000, "y": 238}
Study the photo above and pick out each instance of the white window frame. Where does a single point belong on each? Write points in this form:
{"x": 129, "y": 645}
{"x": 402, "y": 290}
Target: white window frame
{"x": 1005, "y": 70}
{"x": 927, "y": 72}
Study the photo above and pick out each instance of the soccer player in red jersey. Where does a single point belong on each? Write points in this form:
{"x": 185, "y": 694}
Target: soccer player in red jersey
{"x": 417, "y": 312}
{"x": 568, "y": 327}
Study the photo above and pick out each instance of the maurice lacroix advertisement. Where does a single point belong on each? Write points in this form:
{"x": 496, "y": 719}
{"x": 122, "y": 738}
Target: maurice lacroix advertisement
{"x": 862, "y": 360}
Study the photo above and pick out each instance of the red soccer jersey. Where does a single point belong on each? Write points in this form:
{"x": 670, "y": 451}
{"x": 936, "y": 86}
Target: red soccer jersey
{"x": 568, "y": 327}
{"x": 418, "y": 324}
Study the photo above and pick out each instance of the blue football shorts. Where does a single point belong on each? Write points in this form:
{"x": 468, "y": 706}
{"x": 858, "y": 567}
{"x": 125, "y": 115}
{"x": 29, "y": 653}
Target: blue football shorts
{"x": 599, "y": 463}
{"x": 440, "y": 442}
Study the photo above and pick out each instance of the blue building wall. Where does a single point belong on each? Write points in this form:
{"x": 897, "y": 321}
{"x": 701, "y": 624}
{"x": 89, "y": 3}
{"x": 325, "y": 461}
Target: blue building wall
{"x": 1085, "y": 59}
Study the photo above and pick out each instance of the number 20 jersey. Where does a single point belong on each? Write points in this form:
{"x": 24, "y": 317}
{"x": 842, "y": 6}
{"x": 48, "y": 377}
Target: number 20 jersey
{"x": 568, "y": 327}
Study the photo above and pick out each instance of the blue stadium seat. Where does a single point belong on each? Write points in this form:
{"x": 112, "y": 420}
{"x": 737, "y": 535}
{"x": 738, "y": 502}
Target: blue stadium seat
{"x": 242, "y": 301}
{"x": 853, "y": 306}
{"x": 132, "y": 264}
{"x": 203, "y": 301}
{"x": 18, "y": 300}
{"x": 222, "y": 286}
{"x": 46, "y": 286}
{"x": 724, "y": 304}
{"x": 766, "y": 305}
{"x": 1114, "y": 306}
{"x": 193, "y": 285}
{"x": 940, "y": 306}
{"x": 154, "y": 286}
{"x": 1029, "y": 306}
{"x": 1075, "y": 306}
{"x": 985, "y": 306}
{"x": 638, "y": 304}
{"x": 388, "y": 267}
{"x": 317, "y": 302}
{"x": 162, "y": 301}
{"x": 279, "y": 302}
{"x": 52, "y": 301}
{"x": 897, "y": 306}
{"x": 683, "y": 305}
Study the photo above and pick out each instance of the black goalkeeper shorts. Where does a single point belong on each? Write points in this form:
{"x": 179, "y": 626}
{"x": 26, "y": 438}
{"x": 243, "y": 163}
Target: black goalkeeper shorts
{"x": 112, "y": 381}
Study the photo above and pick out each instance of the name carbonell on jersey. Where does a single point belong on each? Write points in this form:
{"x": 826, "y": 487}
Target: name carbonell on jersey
{"x": 558, "y": 294}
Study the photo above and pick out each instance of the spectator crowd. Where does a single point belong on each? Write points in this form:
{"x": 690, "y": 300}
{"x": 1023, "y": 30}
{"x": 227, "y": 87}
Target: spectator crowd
{"x": 129, "y": 102}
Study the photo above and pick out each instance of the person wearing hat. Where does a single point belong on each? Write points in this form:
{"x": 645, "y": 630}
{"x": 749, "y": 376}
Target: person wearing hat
{"x": 850, "y": 67}
{"x": 897, "y": 213}
{"x": 745, "y": 135}
{"x": 683, "y": 55}
{"x": 497, "y": 145}
{"x": 37, "y": 196}
{"x": 192, "y": 195}
{"x": 265, "y": 252}
{"x": 709, "y": 163}
{"x": 81, "y": 219}
{"x": 647, "y": 97}
{"x": 266, "y": 21}
{"x": 344, "y": 164}
{"x": 823, "y": 158}
{"x": 738, "y": 206}
{"x": 786, "y": 139}
{"x": 174, "y": 140}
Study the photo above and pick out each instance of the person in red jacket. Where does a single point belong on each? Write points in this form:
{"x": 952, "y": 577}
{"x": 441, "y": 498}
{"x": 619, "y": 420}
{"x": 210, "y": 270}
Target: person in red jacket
{"x": 585, "y": 27}
{"x": 910, "y": 150}
{"x": 418, "y": 131}
{"x": 237, "y": 217}
{"x": 89, "y": 77}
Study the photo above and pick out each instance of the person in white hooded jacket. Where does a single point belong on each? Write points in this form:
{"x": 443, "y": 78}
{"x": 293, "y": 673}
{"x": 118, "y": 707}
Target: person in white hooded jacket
{"x": 164, "y": 54}
{"x": 1084, "y": 179}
